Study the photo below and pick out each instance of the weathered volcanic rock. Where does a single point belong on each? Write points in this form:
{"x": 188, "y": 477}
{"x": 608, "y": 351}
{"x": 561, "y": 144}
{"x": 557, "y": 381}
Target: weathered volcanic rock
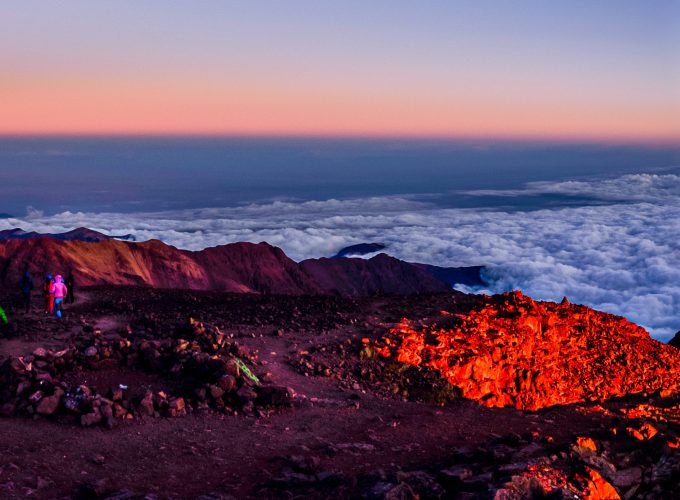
{"x": 514, "y": 351}
{"x": 208, "y": 370}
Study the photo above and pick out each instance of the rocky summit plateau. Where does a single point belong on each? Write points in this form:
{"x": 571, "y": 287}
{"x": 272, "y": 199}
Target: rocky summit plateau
{"x": 236, "y": 372}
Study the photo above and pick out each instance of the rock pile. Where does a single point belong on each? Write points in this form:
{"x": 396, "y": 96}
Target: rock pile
{"x": 606, "y": 465}
{"x": 208, "y": 371}
{"x": 514, "y": 351}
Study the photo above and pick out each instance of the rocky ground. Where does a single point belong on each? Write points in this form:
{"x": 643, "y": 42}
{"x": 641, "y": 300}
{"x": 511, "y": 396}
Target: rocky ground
{"x": 324, "y": 415}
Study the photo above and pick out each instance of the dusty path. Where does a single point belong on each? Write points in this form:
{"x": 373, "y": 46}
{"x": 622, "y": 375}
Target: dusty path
{"x": 211, "y": 453}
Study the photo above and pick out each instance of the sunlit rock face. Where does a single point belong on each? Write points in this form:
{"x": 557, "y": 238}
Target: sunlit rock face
{"x": 514, "y": 351}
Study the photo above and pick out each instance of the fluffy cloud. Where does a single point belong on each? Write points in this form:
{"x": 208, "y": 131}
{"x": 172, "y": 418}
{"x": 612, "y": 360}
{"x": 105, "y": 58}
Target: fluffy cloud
{"x": 617, "y": 257}
{"x": 633, "y": 187}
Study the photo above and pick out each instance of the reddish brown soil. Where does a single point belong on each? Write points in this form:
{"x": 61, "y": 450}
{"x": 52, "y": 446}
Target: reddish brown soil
{"x": 365, "y": 437}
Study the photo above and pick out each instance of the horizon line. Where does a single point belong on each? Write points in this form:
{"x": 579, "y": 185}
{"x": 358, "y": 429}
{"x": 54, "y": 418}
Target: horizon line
{"x": 672, "y": 142}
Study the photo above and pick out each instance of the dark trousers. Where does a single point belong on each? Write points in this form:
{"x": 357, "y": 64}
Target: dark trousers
{"x": 70, "y": 299}
{"x": 26, "y": 301}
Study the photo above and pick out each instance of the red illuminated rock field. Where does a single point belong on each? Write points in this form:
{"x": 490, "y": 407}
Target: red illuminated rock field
{"x": 514, "y": 351}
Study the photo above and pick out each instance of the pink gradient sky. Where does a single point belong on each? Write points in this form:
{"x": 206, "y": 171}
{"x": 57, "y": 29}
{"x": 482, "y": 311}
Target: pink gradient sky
{"x": 562, "y": 70}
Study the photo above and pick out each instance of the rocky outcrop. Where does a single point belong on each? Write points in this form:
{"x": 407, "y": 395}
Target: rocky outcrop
{"x": 514, "y": 351}
{"x": 207, "y": 369}
{"x": 606, "y": 465}
{"x": 237, "y": 267}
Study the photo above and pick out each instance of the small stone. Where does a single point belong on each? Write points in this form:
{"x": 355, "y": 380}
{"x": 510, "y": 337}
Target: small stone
{"x": 106, "y": 409}
{"x": 246, "y": 393}
{"x": 227, "y": 383}
{"x": 586, "y": 442}
{"x": 274, "y": 396}
{"x": 145, "y": 407}
{"x": 116, "y": 394}
{"x": 48, "y": 405}
{"x": 90, "y": 419}
{"x": 90, "y": 352}
{"x": 35, "y": 397}
{"x": 596, "y": 486}
{"x": 40, "y": 353}
{"x": 645, "y": 432}
{"x": 215, "y": 391}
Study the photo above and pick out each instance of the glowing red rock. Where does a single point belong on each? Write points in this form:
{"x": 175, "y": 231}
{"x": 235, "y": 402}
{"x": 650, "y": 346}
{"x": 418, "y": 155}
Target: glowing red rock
{"x": 586, "y": 442}
{"x": 514, "y": 351}
{"x": 597, "y": 487}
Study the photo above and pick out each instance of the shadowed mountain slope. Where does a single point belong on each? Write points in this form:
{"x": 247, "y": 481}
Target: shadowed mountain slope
{"x": 237, "y": 267}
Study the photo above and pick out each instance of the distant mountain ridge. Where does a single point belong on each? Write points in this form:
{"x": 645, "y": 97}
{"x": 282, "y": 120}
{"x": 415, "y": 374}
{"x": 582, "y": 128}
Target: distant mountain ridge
{"x": 675, "y": 341}
{"x": 469, "y": 276}
{"x": 78, "y": 234}
{"x": 236, "y": 267}
{"x": 359, "y": 250}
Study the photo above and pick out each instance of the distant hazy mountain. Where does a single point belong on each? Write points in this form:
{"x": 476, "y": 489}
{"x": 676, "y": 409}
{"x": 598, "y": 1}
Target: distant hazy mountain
{"x": 469, "y": 276}
{"x": 675, "y": 341}
{"x": 359, "y": 250}
{"x": 78, "y": 234}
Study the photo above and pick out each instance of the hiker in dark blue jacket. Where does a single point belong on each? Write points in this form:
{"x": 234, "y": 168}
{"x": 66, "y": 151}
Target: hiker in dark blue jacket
{"x": 26, "y": 287}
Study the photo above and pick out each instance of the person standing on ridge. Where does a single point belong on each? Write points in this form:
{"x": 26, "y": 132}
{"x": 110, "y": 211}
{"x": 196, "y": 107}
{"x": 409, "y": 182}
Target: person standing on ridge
{"x": 59, "y": 291}
{"x": 26, "y": 287}
{"x": 70, "y": 283}
{"x": 47, "y": 293}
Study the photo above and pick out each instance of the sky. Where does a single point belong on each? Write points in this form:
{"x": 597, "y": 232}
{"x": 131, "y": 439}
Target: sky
{"x": 559, "y": 70}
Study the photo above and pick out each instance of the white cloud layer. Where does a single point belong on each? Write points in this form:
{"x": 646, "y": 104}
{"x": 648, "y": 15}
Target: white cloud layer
{"x": 622, "y": 258}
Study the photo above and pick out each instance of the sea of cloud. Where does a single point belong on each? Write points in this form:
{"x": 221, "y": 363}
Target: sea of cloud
{"x": 619, "y": 254}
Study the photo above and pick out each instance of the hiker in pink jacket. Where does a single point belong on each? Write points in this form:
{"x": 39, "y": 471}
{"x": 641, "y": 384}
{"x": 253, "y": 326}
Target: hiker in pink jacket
{"x": 59, "y": 291}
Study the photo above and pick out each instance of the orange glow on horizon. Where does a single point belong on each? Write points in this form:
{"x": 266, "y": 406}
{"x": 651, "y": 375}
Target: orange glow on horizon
{"x": 95, "y": 108}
